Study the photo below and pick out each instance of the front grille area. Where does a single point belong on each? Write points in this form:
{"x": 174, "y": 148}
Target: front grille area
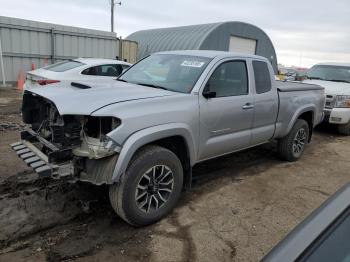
{"x": 67, "y": 134}
{"x": 45, "y": 120}
{"x": 330, "y": 101}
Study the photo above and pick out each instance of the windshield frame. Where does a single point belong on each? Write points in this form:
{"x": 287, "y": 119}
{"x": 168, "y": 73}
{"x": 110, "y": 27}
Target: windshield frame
{"x": 195, "y": 80}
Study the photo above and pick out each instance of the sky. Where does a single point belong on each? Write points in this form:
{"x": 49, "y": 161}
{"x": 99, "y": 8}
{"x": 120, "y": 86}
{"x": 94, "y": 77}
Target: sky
{"x": 303, "y": 32}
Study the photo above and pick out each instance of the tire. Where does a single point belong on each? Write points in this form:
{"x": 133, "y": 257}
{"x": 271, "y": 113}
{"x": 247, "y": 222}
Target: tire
{"x": 344, "y": 129}
{"x": 292, "y": 146}
{"x": 128, "y": 197}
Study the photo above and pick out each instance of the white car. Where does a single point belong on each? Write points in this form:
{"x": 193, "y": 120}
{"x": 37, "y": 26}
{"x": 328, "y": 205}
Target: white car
{"x": 80, "y": 69}
{"x": 335, "y": 78}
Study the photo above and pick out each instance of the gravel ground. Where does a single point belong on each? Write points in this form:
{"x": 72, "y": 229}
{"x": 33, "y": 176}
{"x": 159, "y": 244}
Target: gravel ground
{"x": 240, "y": 206}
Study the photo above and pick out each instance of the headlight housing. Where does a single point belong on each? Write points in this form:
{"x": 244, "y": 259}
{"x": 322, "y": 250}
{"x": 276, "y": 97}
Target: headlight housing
{"x": 110, "y": 145}
{"x": 342, "y": 101}
{"x": 95, "y": 140}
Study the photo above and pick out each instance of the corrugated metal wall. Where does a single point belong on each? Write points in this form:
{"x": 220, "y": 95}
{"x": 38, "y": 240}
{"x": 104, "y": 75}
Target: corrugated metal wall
{"x": 129, "y": 51}
{"x": 26, "y": 42}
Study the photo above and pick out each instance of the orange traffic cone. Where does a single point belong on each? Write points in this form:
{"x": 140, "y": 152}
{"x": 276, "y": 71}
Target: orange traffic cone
{"x": 20, "y": 80}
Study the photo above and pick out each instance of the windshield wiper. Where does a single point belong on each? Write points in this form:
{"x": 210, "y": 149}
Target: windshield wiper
{"x": 315, "y": 78}
{"x": 338, "y": 80}
{"x": 151, "y": 85}
{"x": 122, "y": 80}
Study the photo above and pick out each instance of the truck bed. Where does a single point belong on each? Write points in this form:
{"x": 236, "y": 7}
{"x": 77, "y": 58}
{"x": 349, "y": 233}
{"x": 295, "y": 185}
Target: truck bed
{"x": 296, "y": 97}
{"x": 283, "y": 86}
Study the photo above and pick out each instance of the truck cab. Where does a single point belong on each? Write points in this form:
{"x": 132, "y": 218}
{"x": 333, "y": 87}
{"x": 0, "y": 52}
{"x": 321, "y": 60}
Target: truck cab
{"x": 335, "y": 78}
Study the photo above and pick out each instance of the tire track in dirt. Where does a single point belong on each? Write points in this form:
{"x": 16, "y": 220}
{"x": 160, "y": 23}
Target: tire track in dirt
{"x": 30, "y": 205}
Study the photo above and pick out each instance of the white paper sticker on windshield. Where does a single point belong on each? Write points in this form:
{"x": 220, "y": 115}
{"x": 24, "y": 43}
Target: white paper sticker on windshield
{"x": 192, "y": 63}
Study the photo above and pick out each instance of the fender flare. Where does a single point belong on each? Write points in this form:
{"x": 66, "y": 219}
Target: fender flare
{"x": 148, "y": 135}
{"x": 306, "y": 108}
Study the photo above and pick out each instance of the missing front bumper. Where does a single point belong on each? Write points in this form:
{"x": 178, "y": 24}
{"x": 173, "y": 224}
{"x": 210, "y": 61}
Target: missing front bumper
{"x": 37, "y": 160}
{"x": 61, "y": 163}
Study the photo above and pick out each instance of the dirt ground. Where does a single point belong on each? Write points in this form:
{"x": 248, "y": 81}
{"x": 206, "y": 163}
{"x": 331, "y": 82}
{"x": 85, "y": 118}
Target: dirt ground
{"x": 240, "y": 206}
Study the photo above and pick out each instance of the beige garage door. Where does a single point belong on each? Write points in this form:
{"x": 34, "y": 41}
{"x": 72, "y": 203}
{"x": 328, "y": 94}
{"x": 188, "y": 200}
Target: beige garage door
{"x": 242, "y": 45}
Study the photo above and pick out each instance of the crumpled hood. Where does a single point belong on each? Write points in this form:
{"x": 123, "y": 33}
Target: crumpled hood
{"x": 331, "y": 88}
{"x": 71, "y": 100}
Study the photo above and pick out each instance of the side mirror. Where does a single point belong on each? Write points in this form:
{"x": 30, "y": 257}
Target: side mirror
{"x": 207, "y": 93}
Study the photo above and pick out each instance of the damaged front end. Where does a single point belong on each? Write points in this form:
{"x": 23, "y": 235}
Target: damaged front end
{"x": 71, "y": 146}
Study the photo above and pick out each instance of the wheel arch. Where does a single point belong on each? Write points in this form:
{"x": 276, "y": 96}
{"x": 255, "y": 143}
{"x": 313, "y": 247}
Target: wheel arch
{"x": 162, "y": 135}
{"x": 306, "y": 113}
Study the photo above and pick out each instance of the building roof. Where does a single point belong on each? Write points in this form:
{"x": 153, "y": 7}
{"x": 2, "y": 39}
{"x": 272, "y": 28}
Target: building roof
{"x": 173, "y": 38}
{"x": 215, "y": 36}
{"x": 182, "y": 37}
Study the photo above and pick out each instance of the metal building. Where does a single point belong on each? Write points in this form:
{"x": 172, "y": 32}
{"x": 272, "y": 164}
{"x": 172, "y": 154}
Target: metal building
{"x": 224, "y": 36}
{"x": 25, "y": 43}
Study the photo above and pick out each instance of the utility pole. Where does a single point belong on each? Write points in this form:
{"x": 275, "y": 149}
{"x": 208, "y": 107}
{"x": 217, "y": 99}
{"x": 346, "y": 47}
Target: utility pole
{"x": 112, "y": 13}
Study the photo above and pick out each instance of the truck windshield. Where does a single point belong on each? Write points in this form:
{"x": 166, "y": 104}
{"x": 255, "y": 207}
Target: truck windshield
{"x": 330, "y": 73}
{"x": 177, "y": 73}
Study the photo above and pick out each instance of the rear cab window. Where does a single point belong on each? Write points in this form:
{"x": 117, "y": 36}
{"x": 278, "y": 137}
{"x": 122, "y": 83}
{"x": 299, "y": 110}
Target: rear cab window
{"x": 63, "y": 66}
{"x": 262, "y": 77}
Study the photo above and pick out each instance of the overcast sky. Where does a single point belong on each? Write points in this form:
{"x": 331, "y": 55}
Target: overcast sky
{"x": 303, "y": 32}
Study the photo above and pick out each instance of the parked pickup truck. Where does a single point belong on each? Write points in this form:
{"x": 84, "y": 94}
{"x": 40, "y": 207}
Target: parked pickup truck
{"x": 335, "y": 78}
{"x": 143, "y": 133}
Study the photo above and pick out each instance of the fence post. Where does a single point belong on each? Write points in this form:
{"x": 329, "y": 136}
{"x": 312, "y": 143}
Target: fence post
{"x": 52, "y": 45}
{"x": 121, "y": 49}
{"x": 2, "y": 66}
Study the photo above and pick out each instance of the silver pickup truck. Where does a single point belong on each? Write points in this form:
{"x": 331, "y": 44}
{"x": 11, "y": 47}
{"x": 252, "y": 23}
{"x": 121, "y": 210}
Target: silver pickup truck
{"x": 143, "y": 133}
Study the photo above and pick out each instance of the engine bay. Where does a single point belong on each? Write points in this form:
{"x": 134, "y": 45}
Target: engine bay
{"x": 76, "y": 135}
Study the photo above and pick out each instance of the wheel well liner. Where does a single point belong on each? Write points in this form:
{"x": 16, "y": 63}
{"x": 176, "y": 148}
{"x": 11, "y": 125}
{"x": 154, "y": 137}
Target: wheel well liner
{"x": 178, "y": 145}
{"x": 308, "y": 116}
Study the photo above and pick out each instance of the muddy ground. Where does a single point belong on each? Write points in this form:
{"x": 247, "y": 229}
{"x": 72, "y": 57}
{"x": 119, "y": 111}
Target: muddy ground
{"x": 240, "y": 206}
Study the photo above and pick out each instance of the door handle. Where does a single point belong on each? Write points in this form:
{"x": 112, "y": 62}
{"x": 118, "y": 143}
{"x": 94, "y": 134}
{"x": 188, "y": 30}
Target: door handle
{"x": 248, "y": 106}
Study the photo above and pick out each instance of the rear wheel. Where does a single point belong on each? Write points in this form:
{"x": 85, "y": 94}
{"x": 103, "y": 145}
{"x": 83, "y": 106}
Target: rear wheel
{"x": 344, "y": 129}
{"x": 292, "y": 146}
{"x": 150, "y": 188}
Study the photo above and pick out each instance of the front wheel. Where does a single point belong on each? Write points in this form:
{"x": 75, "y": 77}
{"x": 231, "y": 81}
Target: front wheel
{"x": 150, "y": 188}
{"x": 292, "y": 146}
{"x": 344, "y": 129}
